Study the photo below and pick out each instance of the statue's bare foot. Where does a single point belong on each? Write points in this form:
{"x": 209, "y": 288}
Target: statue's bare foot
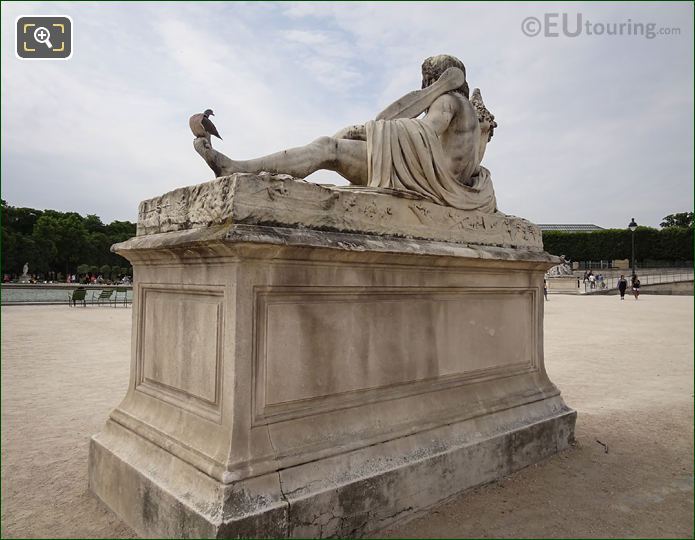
{"x": 220, "y": 164}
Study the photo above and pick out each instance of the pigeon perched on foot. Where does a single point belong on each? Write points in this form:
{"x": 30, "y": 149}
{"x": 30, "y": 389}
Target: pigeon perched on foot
{"x": 202, "y": 126}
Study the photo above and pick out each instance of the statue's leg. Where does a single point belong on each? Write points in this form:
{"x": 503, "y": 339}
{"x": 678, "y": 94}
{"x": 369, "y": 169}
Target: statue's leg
{"x": 346, "y": 157}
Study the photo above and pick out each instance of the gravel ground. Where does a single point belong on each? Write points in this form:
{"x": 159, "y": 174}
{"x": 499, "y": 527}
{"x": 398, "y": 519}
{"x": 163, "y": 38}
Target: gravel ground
{"x": 626, "y": 367}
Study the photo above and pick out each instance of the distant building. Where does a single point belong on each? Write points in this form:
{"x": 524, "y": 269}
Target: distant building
{"x": 570, "y": 227}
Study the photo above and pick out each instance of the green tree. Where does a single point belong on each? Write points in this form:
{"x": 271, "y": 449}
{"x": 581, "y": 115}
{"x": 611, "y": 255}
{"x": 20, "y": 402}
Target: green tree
{"x": 57, "y": 241}
{"x": 10, "y": 242}
{"x": 105, "y": 271}
{"x": 669, "y": 244}
{"x": 65, "y": 236}
{"x": 117, "y": 231}
{"x": 99, "y": 248}
{"x": 17, "y": 244}
{"x": 83, "y": 269}
{"x": 93, "y": 223}
{"x": 681, "y": 219}
{"x": 19, "y": 220}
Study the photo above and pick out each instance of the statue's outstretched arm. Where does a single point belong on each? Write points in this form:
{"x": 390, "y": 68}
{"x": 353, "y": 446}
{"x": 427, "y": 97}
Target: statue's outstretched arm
{"x": 413, "y": 104}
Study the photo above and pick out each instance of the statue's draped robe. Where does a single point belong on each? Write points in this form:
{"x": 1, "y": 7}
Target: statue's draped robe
{"x": 406, "y": 154}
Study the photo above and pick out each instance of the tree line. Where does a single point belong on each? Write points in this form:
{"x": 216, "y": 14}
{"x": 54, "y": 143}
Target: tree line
{"x": 56, "y": 244}
{"x": 671, "y": 244}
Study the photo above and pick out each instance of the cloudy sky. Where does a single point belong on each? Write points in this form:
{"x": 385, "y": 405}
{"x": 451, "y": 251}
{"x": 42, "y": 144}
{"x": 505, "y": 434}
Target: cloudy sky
{"x": 592, "y": 128}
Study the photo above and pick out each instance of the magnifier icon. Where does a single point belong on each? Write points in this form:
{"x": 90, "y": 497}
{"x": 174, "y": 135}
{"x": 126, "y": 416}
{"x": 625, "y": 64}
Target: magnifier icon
{"x": 42, "y": 35}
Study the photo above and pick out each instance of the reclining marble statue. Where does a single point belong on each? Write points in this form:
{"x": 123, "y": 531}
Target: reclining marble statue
{"x": 313, "y": 360}
{"x": 437, "y": 157}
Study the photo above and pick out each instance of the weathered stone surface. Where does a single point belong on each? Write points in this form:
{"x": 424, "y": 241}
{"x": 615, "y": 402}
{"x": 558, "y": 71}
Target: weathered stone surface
{"x": 346, "y": 495}
{"x": 563, "y": 284}
{"x": 287, "y": 381}
{"x": 276, "y": 200}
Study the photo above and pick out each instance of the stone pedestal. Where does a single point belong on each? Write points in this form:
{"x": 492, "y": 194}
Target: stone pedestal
{"x": 288, "y": 381}
{"x": 562, "y": 285}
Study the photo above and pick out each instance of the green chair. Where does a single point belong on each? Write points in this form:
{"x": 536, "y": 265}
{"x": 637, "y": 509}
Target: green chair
{"x": 121, "y": 295}
{"x": 104, "y": 296}
{"x": 78, "y": 295}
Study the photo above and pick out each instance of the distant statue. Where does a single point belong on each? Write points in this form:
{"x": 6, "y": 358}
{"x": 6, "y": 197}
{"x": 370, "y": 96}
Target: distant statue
{"x": 562, "y": 269}
{"x": 436, "y": 157}
{"x": 24, "y": 278}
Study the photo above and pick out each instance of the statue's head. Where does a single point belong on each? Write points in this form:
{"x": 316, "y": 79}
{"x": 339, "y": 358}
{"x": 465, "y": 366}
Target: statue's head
{"x": 434, "y": 66}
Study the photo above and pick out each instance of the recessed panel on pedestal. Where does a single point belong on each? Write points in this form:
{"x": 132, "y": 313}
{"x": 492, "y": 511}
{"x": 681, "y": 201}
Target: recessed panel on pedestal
{"x": 180, "y": 346}
{"x": 326, "y": 346}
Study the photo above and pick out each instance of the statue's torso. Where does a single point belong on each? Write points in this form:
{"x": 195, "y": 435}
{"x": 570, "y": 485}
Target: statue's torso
{"x": 461, "y": 140}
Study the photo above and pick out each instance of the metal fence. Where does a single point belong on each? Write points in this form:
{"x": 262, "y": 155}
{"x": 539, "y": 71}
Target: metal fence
{"x": 609, "y": 283}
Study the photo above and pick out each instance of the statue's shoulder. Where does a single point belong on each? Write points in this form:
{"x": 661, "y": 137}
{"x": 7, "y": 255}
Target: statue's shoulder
{"x": 461, "y": 101}
{"x": 451, "y": 101}
{"x": 465, "y": 110}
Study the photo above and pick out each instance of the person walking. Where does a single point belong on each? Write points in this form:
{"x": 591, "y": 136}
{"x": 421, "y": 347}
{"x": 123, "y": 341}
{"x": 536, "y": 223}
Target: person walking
{"x": 622, "y": 286}
{"x": 635, "y": 287}
{"x": 545, "y": 289}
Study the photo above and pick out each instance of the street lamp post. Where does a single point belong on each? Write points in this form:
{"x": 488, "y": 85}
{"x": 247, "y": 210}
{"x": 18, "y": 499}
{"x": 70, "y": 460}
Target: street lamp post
{"x": 633, "y": 226}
